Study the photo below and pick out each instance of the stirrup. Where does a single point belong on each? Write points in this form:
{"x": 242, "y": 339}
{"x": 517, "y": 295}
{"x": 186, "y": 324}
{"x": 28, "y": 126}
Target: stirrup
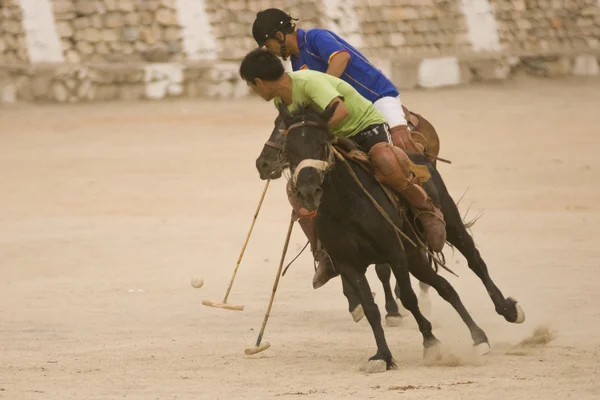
{"x": 434, "y": 234}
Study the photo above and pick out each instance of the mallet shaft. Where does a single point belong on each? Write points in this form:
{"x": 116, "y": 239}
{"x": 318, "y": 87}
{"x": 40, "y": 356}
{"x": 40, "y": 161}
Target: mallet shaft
{"x": 262, "y": 197}
{"x": 276, "y": 283}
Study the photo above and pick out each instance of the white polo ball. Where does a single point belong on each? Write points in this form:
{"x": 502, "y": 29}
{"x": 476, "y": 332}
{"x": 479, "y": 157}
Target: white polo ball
{"x": 197, "y": 282}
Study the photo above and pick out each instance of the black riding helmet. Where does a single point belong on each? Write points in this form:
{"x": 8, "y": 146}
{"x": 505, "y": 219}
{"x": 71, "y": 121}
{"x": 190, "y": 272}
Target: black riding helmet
{"x": 267, "y": 23}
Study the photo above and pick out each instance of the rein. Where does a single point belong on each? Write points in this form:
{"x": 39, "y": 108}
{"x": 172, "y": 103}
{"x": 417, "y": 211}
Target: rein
{"x": 299, "y": 124}
{"x": 277, "y": 146}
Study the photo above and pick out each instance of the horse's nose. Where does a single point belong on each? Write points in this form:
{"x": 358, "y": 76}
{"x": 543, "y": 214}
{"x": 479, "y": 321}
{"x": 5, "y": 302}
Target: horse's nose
{"x": 305, "y": 191}
{"x": 261, "y": 163}
{"x": 263, "y": 168}
{"x": 310, "y": 195}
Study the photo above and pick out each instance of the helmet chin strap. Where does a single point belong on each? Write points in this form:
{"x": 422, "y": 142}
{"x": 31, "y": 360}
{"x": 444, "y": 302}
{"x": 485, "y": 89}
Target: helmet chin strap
{"x": 283, "y": 52}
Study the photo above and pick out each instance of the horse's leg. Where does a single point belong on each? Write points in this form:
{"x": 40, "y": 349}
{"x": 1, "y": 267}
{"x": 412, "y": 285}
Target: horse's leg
{"x": 361, "y": 286}
{"x": 393, "y": 317}
{"x": 355, "y": 307}
{"x": 458, "y": 236}
{"x": 420, "y": 269}
{"x": 424, "y": 300}
{"x": 410, "y": 302}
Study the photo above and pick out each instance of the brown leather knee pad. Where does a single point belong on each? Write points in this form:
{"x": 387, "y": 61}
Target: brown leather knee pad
{"x": 392, "y": 166}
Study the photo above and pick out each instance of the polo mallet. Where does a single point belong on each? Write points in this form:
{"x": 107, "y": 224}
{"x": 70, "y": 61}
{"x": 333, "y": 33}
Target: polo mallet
{"x": 262, "y": 347}
{"x": 224, "y": 303}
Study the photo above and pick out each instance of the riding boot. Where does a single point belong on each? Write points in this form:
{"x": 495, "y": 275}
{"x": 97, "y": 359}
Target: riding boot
{"x": 401, "y": 137}
{"x": 392, "y": 167}
{"x": 325, "y": 269}
{"x": 430, "y": 216}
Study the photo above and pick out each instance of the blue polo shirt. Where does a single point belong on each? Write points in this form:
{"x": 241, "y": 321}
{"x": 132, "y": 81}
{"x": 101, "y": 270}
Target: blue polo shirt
{"x": 317, "y": 48}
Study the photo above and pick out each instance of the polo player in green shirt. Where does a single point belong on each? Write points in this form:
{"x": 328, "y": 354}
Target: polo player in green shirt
{"x": 355, "y": 117}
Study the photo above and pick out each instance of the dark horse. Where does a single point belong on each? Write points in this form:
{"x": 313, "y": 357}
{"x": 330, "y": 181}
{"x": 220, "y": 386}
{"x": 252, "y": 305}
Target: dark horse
{"x": 357, "y": 234}
{"x": 271, "y": 163}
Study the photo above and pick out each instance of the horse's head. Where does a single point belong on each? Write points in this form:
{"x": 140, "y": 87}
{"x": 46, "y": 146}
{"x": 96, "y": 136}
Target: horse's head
{"x": 270, "y": 163}
{"x": 306, "y": 148}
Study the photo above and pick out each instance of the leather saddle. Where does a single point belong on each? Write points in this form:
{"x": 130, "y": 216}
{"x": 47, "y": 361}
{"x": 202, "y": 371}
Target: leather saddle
{"x": 352, "y": 152}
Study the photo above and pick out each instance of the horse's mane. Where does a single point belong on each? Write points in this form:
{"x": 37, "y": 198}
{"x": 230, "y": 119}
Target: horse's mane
{"x": 307, "y": 112}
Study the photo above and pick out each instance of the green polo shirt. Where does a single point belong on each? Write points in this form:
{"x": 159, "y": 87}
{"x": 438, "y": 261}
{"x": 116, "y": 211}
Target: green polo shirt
{"x": 319, "y": 89}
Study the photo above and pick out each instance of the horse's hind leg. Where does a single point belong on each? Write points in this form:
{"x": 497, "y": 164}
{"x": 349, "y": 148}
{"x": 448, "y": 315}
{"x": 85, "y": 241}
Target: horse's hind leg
{"x": 422, "y": 271}
{"x": 393, "y": 317}
{"x": 458, "y": 236}
{"x": 507, "y": 307}
{"x": 361, "y": 286}
{"x": 410, "y": 302}
{"x": 424, "y": 299}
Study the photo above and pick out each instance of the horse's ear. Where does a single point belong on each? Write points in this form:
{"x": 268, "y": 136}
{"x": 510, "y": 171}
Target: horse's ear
{"x": 328, "y": 112}
{"x": 285, "y": 115}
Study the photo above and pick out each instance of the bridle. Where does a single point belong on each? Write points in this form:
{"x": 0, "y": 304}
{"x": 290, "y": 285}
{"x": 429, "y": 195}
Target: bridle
{"x": 274, "y": 145}
{"x": 321, "y": 165}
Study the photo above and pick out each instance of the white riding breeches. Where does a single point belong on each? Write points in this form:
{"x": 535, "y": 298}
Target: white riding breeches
{"x": 392, "y": 111}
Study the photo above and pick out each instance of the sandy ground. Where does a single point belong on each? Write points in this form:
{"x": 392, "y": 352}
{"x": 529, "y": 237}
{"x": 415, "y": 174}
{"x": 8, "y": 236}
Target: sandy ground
{"x": 106, "y": 212}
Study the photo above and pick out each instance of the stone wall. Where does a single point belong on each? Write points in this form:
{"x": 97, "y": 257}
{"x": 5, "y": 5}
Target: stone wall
{"x": 118, "y": 30}
{"x": 74, "y": 83}
{"x": 381, "y": 28}
{"x": 90, "y": 50}
{"x": 407, "y": 27}
{"x": 231, "y": 21}
{"x": 548, "y": 25}
{"x": 13, "y": 48}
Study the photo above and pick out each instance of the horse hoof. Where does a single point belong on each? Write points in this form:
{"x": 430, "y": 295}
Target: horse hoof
{"x": 520, "y": 314}
{"x": 433, "y": 352}
{"x": 482, "y": 349}
{"x": 358, "y": 313}
{"x": 376, "y": 366}
{"x": 393, "y": 321}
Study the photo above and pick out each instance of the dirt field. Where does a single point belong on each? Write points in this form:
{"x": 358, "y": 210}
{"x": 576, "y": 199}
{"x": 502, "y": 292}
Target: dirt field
{"x": 107, "y": 211}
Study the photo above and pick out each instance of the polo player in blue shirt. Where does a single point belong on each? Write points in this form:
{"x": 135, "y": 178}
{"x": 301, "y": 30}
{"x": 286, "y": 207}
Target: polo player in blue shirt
{"x": 324, "y": 51}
